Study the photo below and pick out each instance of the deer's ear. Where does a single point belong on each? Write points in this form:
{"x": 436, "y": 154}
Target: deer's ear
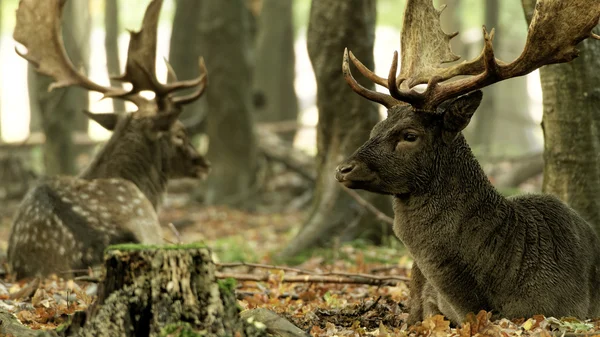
{"x": 106, "y": 120}
{"x": 458, "y": 114}
{"x": 163, "y": 122}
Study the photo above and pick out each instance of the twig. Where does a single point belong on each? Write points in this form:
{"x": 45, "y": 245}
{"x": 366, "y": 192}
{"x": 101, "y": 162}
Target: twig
{"x": 380, "y": 215}
{"x": 311, "y": 272}
{"x": 367, "y": 309}
{"x": 264, "y": 266}
{"x": 27, "y": 290}
{"x": 311, "y": 279}
{"x": 240, "y": 295}
{"x": 175, "y": 231}
{"x": 86, "y": 278}
{"x": 385, "y": 268}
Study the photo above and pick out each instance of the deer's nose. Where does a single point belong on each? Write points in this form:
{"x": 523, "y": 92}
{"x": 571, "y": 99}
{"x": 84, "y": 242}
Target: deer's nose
{"x": 343, "y": 170}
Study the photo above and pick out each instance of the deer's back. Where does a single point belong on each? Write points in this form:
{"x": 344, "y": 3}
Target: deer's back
{"x": 65, "y": 223}
{"x": 558, "y": 256}
{"x": 545, "y": 260}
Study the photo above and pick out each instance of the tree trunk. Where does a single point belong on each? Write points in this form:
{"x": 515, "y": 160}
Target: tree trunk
{"x": 184, "y": 51}
{"x": 60, "y": 110}
{"x": 512, "y": 97}
{"x": 345, "y": 121}
{"x": 0, "y": 45}
{"x": 111, "y": 44}
{"x": 232, "y": 149}
{"x": 273, "y": 89}
{"x": 483, "y": 123}
{"x": 571, "y": 124}
{"x": 158, "y": 292}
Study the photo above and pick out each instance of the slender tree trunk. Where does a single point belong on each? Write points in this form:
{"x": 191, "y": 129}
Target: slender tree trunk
{"x": 512, "y": 125}
{"x": 232, "y": 149}
{"x": 111, "y": 44}
{"x": 60, "y": 110}
{"x": 274, "y": 93}
{"x": 184, "y": 51}
{"x": 571, "y": 124}
{"x": 484, "y": 123}
{"x": 345, "y": 121}
{"x": 0, "y": 45}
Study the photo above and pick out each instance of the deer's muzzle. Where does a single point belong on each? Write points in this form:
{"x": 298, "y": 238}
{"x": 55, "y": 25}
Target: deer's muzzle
{"x": 354, "y": 174}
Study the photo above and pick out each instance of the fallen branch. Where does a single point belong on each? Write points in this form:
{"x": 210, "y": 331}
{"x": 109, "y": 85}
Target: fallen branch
{"x": 240, "y": 295}
{"x": 370, "y": 280}
{"x": 264, "y": 266}
{"x": 276, "y": 149}
{"x": 379, "y": 214}
{"x": 310, "y": 272}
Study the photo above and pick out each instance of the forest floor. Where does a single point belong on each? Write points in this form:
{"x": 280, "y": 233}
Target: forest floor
{"x": 243, "y": 243}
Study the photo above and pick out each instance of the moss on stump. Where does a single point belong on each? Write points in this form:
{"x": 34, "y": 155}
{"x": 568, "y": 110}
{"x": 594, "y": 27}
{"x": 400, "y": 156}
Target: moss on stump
{"x": 164, "y": 291}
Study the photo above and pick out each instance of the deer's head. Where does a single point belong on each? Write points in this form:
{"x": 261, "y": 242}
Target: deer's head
{"x": 154, "y": 127}
{"x": 403, "y": 152}
{"x": 406, "y": 150}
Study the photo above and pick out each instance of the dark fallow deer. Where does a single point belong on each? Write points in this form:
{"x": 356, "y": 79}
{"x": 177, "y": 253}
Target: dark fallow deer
{"x": 65, "y": 223}
{"x": 473, "y": 248}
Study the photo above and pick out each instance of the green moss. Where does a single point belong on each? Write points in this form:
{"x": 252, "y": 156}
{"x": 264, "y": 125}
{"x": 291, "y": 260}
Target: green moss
{"x": 138, "y": 246}
{"x": 62, "y": 327}
{"x": 234, "y": 248}
{"x": 227, "y": 285}
{"x": 180, "y": 329}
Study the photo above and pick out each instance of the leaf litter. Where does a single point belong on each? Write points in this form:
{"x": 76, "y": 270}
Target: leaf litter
{"x": 321, "y": 309}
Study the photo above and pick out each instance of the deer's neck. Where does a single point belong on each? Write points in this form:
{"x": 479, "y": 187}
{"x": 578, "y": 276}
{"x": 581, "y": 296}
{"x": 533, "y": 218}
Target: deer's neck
{"x": 450, "y": 204}
{"x": 132, "y": 156}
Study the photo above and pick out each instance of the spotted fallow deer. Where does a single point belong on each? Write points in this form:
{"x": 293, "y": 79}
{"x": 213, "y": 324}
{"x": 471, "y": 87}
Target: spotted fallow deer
{"x": 473, "y": 248}
{"x": 65, "y": 223}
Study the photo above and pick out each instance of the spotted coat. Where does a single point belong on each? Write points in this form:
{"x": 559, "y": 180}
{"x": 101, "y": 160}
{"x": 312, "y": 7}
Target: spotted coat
{"x": 64, "y": 224}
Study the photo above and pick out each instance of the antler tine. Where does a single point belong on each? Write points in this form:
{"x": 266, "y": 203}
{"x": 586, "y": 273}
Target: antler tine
{"x": 140, "y": 69}
{"x": 409, "y": 96}
{"x": 171, "y": 75}
{"x": 556, "y": 28}
{"x": 368, "y": 73}
{"x": 381, "y": 98}
{"x": 141, "y": 54}
{"x": 38, "y": 28}
{"x": 202, "y": 83}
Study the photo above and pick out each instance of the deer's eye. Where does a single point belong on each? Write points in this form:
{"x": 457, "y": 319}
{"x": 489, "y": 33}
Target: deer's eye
{"x": 409, "y": 137}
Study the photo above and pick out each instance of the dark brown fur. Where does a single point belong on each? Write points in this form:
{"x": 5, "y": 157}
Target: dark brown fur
{"x": 473, "y": 249}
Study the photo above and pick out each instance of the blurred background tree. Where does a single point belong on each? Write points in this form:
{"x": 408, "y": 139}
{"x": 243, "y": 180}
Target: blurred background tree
{"x": 185, "y": 48}
{"x": 274, "y": 94}
{"x": 59, "y": 111}
{"x": 345, "y": 119}
{"x": 275, "y": 74}
{"x": 111, "y": 44}
{"x": 571, "y": 129}
{"x": 230, "y": 128}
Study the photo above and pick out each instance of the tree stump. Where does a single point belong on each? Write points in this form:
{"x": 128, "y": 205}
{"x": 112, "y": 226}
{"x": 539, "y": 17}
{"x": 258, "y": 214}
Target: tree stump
{"x": 163, "y": 291}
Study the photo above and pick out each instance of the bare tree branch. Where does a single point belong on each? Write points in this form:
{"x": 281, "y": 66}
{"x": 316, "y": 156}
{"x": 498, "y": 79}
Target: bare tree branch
{"x": 355, "y": 279}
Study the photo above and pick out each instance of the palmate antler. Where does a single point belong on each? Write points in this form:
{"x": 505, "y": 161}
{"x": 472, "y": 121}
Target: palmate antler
{"x": 38, "y": 28}
{"x": 555, "y": 30}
